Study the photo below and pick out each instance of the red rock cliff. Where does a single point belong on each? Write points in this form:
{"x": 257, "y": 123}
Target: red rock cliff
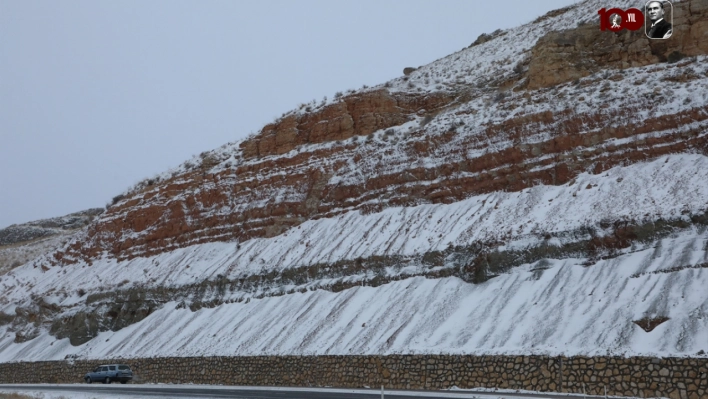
{"x": 339, "y": 157}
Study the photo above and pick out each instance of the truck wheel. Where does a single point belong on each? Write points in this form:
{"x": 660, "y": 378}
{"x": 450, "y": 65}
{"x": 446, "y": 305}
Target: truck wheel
{"x": 124, "y": 382}
{"x": 88, "y": 380}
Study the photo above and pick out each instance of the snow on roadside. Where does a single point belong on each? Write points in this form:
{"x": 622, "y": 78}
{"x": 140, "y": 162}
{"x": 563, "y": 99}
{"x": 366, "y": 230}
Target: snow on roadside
{"x": 480, "y": 393}
{"x": 69, "y": 394}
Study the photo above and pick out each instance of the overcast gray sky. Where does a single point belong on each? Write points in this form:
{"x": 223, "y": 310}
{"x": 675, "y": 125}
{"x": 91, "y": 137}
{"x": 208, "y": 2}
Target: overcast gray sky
{"x": 97, "y": 95}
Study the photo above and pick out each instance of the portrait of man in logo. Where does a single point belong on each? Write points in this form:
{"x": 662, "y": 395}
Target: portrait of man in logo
{"x": 658, "y": 19}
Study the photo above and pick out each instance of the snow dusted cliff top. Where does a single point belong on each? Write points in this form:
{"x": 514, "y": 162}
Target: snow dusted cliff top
{"x": 475, "y": 68}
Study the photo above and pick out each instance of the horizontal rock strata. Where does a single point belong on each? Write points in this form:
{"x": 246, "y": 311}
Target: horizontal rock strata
{"x": 301, "y": 166}
{"x": 247, "y": 202}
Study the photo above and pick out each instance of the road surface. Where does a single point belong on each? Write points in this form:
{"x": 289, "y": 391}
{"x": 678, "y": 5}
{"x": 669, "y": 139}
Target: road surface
{"x": 210, "y": 391}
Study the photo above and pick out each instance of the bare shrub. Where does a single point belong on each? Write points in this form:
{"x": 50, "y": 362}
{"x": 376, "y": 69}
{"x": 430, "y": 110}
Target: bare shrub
{"x": 209, "y": 161}
{"x": 117, "y": 198}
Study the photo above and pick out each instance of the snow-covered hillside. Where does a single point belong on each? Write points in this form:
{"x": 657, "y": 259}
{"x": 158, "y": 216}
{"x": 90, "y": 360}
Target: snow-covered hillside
{"x": 569, "y": 306}
{"x": 25, "y": 242}
{"x": 477, "y": 70}
{"x": 668, "y": 188}
{"x": 13, "y": 255}
{"x": 549, "y": 307}
{"x": 571, "y": 219}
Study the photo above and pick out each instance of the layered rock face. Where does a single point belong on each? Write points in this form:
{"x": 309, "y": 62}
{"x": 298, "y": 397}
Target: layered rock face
{"x": 530, "y": 150}
{"x": 284, "y": 175}
{"x": 354, "y": 115}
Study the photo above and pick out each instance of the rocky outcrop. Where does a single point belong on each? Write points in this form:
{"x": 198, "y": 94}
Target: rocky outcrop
{"x": 355, "y": 115}
{"x": 563, "y": 56}
{"x": 485, "y": 37}
{"x": 112, "y": 310}
{"x": 18, "y": 233}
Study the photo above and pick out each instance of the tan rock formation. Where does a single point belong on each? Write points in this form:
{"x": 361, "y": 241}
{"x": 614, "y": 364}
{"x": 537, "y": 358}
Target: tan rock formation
{"x": 358, "y": 114}
{"x": 566, "y": 55}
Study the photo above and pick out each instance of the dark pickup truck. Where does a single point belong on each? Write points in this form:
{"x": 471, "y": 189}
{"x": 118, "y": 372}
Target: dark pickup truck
{"x": 108, "y": 373}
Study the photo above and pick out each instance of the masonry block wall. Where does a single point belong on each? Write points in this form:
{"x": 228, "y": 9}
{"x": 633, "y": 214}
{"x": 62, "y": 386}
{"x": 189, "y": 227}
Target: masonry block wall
{"x": 676, "y": 378}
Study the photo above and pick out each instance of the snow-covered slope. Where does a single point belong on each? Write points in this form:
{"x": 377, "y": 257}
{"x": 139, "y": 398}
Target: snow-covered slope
{"x": 24, "y": 242}
{"x": 549, "y": 307}
{"x": 570, "y": 306}
{"x": 565, "y": 220}
{"x": 13, "y": 255}
{"x": 668, "y": 188}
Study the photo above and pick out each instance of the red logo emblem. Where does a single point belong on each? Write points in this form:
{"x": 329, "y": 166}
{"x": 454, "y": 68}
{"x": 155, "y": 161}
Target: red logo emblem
{"x": 616, "y": 19}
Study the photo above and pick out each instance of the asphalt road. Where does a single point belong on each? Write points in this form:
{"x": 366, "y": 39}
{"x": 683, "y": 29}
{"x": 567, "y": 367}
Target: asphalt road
{"x": 195, "y": 391}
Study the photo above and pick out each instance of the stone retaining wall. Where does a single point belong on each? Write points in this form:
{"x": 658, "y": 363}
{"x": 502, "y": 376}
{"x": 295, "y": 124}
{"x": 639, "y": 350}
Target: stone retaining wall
{"x": 676, "y": 378}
